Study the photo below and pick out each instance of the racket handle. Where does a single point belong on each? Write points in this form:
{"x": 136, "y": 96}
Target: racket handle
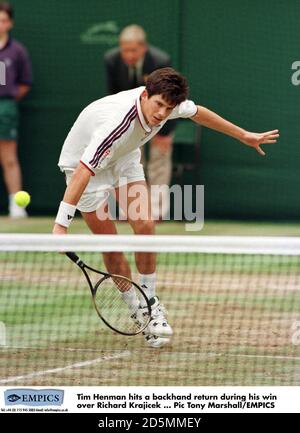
{"x": 73, "y": 257}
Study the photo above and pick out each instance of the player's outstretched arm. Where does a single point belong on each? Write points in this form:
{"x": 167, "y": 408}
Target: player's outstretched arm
{"x": 74, "y": 190}
{"x": 212, "y": 120}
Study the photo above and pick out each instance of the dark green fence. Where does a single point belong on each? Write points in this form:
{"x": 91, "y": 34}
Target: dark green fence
{"x": 238, "y": 57}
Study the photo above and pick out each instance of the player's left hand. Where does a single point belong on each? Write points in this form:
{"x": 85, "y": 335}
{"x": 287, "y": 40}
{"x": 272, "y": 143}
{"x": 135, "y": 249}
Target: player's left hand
{"x": 254, "y": 139}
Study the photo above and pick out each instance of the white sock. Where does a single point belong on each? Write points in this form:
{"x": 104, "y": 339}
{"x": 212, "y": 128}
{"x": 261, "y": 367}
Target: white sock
{"x": 148, "y": 284}
{"x": 131, "y": 299}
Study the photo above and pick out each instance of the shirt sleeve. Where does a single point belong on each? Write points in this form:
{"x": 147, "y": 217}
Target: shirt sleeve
{"x": 24, "y": 70}
{"x": 184, "y": 110}
{"x": 105, "y": 139}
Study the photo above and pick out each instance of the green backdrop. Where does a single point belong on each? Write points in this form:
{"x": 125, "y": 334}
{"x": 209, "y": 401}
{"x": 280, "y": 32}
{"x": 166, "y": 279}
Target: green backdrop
{"x": 237, "y": 56}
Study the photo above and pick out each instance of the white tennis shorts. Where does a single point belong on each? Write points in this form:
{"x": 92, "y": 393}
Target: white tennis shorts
{"x": 125, "y": 171}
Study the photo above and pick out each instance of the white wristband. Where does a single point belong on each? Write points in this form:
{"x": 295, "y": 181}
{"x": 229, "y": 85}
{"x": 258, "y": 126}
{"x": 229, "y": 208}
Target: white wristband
{"x": 65, "y": 214}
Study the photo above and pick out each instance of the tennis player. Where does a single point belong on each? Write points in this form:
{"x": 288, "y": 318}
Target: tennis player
{"x": 102, "y": 147}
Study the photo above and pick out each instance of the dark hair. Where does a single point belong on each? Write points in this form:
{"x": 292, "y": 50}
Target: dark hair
{"x": 168, "y": 83}
{"x": 7, "y": 7}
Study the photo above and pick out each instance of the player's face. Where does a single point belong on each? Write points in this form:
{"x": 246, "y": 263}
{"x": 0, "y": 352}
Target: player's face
{"x": 155, "y": 109}
{"x": 5, "y": 23}
{"x": 132, "y": 52}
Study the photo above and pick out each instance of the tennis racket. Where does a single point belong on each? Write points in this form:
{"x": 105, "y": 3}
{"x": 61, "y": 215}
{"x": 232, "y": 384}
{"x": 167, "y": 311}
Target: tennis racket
{"x": 111, "y": 301}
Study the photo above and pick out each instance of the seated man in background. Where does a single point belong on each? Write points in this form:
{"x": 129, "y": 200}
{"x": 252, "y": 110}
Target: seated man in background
{"x": 128, "y": 67}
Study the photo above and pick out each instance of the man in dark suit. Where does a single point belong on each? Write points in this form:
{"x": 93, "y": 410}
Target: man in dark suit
{"x": 127, "y": 67}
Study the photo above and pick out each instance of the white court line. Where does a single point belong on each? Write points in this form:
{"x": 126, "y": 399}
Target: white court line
{"x": 127, "y": 353}
{"x": 59, "y": 369}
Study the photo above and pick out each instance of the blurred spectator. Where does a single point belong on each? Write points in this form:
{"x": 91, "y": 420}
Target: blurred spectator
{"x": 18, "y": 79}
{"x": 127, "y": 67}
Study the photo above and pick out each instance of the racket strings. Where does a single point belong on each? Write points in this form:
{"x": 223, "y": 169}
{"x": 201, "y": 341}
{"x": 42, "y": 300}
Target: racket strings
{"x": 122, "y": 284}
{"x": 117, "y": 301}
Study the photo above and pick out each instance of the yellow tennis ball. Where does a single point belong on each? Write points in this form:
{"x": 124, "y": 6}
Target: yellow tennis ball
{"x": 22, "y": 198}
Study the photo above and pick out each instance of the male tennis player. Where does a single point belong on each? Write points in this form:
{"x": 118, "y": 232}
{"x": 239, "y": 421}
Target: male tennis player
{"x": 103, "y": 146}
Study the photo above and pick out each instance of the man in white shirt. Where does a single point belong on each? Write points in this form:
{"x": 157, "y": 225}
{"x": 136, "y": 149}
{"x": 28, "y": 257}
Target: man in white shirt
{"x": 103, "y": 147}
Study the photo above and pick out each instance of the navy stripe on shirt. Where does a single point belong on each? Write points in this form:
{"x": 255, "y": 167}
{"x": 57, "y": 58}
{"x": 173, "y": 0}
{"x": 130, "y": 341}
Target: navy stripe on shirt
{"x": 113, "y": 136}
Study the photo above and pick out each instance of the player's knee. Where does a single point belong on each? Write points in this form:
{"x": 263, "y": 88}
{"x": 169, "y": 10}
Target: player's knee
{"x": 144, "y": 227}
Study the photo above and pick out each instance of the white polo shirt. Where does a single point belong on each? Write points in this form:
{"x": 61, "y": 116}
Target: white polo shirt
{"x": 111, "y": 128}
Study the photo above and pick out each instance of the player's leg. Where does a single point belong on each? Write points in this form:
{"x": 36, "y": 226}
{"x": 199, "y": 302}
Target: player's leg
{"x": 115, "y": 262}
{"x": 12, "y": 175}
{"x": 160, "y": 172}
{"x": 94, "y": 209}
{"x": 134, "y": 199}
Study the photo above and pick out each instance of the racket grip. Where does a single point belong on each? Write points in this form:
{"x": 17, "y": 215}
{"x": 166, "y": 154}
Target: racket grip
{"x": 73, "y": 257}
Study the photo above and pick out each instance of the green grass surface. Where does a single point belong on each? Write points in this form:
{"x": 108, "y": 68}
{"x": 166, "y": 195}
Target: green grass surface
{"x": 233, "y": 324}
{"x": 255, "y": 228}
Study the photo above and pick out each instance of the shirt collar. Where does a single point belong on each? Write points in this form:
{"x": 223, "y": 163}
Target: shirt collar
{"x": 140, "y": 114}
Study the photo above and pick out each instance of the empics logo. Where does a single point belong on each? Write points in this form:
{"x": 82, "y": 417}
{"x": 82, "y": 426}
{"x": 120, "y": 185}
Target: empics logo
{"x": 12, "y": 398}
{"x": 2, "y": 74}
{"x": 34, "y": 397}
